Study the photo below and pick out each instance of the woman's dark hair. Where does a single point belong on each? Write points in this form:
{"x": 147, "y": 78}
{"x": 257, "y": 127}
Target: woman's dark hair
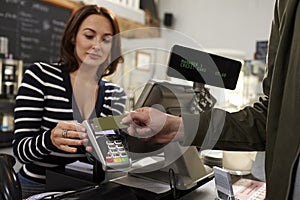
{"x": 67, "y": 50}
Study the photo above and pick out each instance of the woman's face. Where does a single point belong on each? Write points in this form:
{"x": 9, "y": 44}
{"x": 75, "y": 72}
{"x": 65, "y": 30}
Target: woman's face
{"x": 93, "y": 40}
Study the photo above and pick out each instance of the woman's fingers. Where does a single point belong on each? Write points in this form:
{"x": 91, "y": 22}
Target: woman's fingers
{"x": 68, "y": 135}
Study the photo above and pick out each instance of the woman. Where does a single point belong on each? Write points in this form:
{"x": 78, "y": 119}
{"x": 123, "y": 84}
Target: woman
{"x": 54, "y": 99}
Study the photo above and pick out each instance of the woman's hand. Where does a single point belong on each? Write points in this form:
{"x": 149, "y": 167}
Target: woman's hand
{"x": 67, "y": 136}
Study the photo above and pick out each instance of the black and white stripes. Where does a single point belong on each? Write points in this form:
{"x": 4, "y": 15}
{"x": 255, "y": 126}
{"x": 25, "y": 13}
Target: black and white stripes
{"x": 45, "y": 98}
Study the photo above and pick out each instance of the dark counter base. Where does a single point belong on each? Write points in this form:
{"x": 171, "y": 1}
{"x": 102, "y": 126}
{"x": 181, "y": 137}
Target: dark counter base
{"x": 64, "y": 180}
{"x": 6, "y": 139}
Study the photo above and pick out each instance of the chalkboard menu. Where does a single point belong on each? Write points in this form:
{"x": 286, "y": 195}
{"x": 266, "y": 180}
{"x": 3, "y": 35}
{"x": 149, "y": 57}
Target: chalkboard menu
{"x": 33, "y": 28}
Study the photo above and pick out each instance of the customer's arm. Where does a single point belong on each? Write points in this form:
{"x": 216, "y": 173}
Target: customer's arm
{"x": 218, "y": 129}
{"x": 243, "y": 130}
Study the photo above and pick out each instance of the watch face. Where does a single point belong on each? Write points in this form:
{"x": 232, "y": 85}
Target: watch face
{"x": 198, "y": 66}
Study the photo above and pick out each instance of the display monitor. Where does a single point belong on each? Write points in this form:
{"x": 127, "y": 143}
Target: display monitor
{"x": 183, "y": 161}
{"x": 203, "y": 67}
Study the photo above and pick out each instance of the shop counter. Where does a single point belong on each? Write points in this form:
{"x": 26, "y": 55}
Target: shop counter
{"x": 68, "y": 180}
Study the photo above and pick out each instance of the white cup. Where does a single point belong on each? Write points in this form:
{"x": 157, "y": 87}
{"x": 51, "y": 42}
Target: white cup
{"x": 238, "y": 162}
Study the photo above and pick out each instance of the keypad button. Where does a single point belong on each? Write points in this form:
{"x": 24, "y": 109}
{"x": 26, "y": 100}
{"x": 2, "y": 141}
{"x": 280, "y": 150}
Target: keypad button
{"x": 121, "y": 149}
{"x": 111, "y": 146}
{"x": 119, "y": 146}
{"x": 109, "y": 143}
{"x": 118, "y": 142}
{"x": 123, "y": 154}
{"x": 113, "y": 150}
{"x": 116, "y": 155}
{"x": 117, "y": 160}
{"x": 108, "y": 154}
{"x": 125, "y": 159}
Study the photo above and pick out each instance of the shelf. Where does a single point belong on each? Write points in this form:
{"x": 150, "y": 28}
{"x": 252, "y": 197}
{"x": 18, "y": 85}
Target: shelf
{"x": 123, "y": 11}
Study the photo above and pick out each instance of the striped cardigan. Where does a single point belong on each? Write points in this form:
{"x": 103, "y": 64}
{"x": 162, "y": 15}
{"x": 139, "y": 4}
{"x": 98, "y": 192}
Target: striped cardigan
{"x": 45, "y": 98}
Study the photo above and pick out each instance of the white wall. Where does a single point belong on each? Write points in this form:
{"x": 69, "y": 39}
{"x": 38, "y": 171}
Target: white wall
{"x": 225, "y": 24}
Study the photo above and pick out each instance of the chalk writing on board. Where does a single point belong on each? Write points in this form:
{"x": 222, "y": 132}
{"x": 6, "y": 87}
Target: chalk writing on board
{"x": 33, "y": 28}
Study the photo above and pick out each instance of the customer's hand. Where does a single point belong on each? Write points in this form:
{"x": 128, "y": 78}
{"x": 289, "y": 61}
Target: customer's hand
{"x": 153, "y": 125}
{"x": 67, "y": 136}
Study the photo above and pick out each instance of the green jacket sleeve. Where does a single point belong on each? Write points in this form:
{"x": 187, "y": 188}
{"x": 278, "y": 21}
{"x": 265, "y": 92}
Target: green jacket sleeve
{"x": 218, "y": 129}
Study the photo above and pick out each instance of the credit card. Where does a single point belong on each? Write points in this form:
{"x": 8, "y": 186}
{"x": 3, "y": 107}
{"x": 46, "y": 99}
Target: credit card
{"x": 109, "y": 123}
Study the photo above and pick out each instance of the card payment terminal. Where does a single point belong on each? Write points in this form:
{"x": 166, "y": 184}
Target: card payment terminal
{"x": 108, "y": 143}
